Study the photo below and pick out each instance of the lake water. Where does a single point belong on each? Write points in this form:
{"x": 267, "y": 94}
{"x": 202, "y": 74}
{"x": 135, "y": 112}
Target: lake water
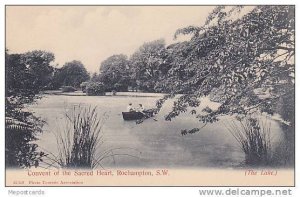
{"x": 155, "y": 143}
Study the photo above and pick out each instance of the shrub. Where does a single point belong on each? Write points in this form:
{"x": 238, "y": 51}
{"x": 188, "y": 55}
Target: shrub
{"x": 20, "y": 149}
{"x": 95, "y": 89}
{"x": 120, "y": 87}
{"x": 68, "y": 89}
{"x": 83, "y": 86}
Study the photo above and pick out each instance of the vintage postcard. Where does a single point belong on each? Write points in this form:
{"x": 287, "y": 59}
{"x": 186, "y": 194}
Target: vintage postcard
{"x": 149, "y": 95}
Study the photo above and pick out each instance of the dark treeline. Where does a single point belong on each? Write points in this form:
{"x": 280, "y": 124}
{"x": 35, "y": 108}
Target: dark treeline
{"x": 246, "y": 64}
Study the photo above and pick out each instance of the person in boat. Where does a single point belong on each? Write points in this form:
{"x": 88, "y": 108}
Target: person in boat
{"x": 140, "y": 108}
{"x": 130, "y": 108}
{"x": 145, "y": 112}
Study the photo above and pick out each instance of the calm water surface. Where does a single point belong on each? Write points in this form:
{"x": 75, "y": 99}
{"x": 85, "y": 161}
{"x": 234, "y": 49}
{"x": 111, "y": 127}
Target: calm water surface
{"x": 155, "y": 143}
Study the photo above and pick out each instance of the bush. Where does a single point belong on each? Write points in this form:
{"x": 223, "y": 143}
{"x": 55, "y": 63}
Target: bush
{"x": 120, "y": 87}
{"x": 20, "y": 149}
{"x": 68, "y": 89}
{"x": 83, "y": 86}
{"x": 95, "y": 89}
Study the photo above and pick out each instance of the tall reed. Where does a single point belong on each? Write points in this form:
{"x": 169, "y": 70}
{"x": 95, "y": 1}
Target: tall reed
{"x": 253, "y": 137}
{"x": 78, "y": 141}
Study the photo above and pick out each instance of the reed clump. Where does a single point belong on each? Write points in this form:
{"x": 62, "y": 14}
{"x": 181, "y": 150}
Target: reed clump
{"x": 80, "y": 138}
{"x": 253, "y": 137}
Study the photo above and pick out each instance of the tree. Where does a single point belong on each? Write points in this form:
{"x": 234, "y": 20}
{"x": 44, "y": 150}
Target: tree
{"x": 240, "y": 57}
{"x": 146, "y": 64}
{"x": 72, "y": 74}
{"x": 173, "y": 69}
{"x": 95, "y": 77}
{"x": 115, "y": 73}
{"x": 26, "y": 75}
{"x": 55, "y": 81}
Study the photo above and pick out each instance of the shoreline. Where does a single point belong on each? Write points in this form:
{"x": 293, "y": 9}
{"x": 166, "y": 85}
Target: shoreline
{"x": 126, "y": 94}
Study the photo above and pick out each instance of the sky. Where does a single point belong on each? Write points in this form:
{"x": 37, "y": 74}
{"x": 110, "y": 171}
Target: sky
{"x": 91, "y": 34}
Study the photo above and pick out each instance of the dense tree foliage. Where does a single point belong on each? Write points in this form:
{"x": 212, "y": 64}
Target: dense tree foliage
{"x": 146, "y": 64}
{"x": 71, "y": 74}
{"x": 26, "y": 75}
{"x": 115, "y": 73}
{"x": 95, "y": 89}
{"x": 243, "y": 58}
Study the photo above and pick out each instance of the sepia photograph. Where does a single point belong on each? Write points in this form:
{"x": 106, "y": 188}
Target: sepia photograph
{"x": 150, "y": 95}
